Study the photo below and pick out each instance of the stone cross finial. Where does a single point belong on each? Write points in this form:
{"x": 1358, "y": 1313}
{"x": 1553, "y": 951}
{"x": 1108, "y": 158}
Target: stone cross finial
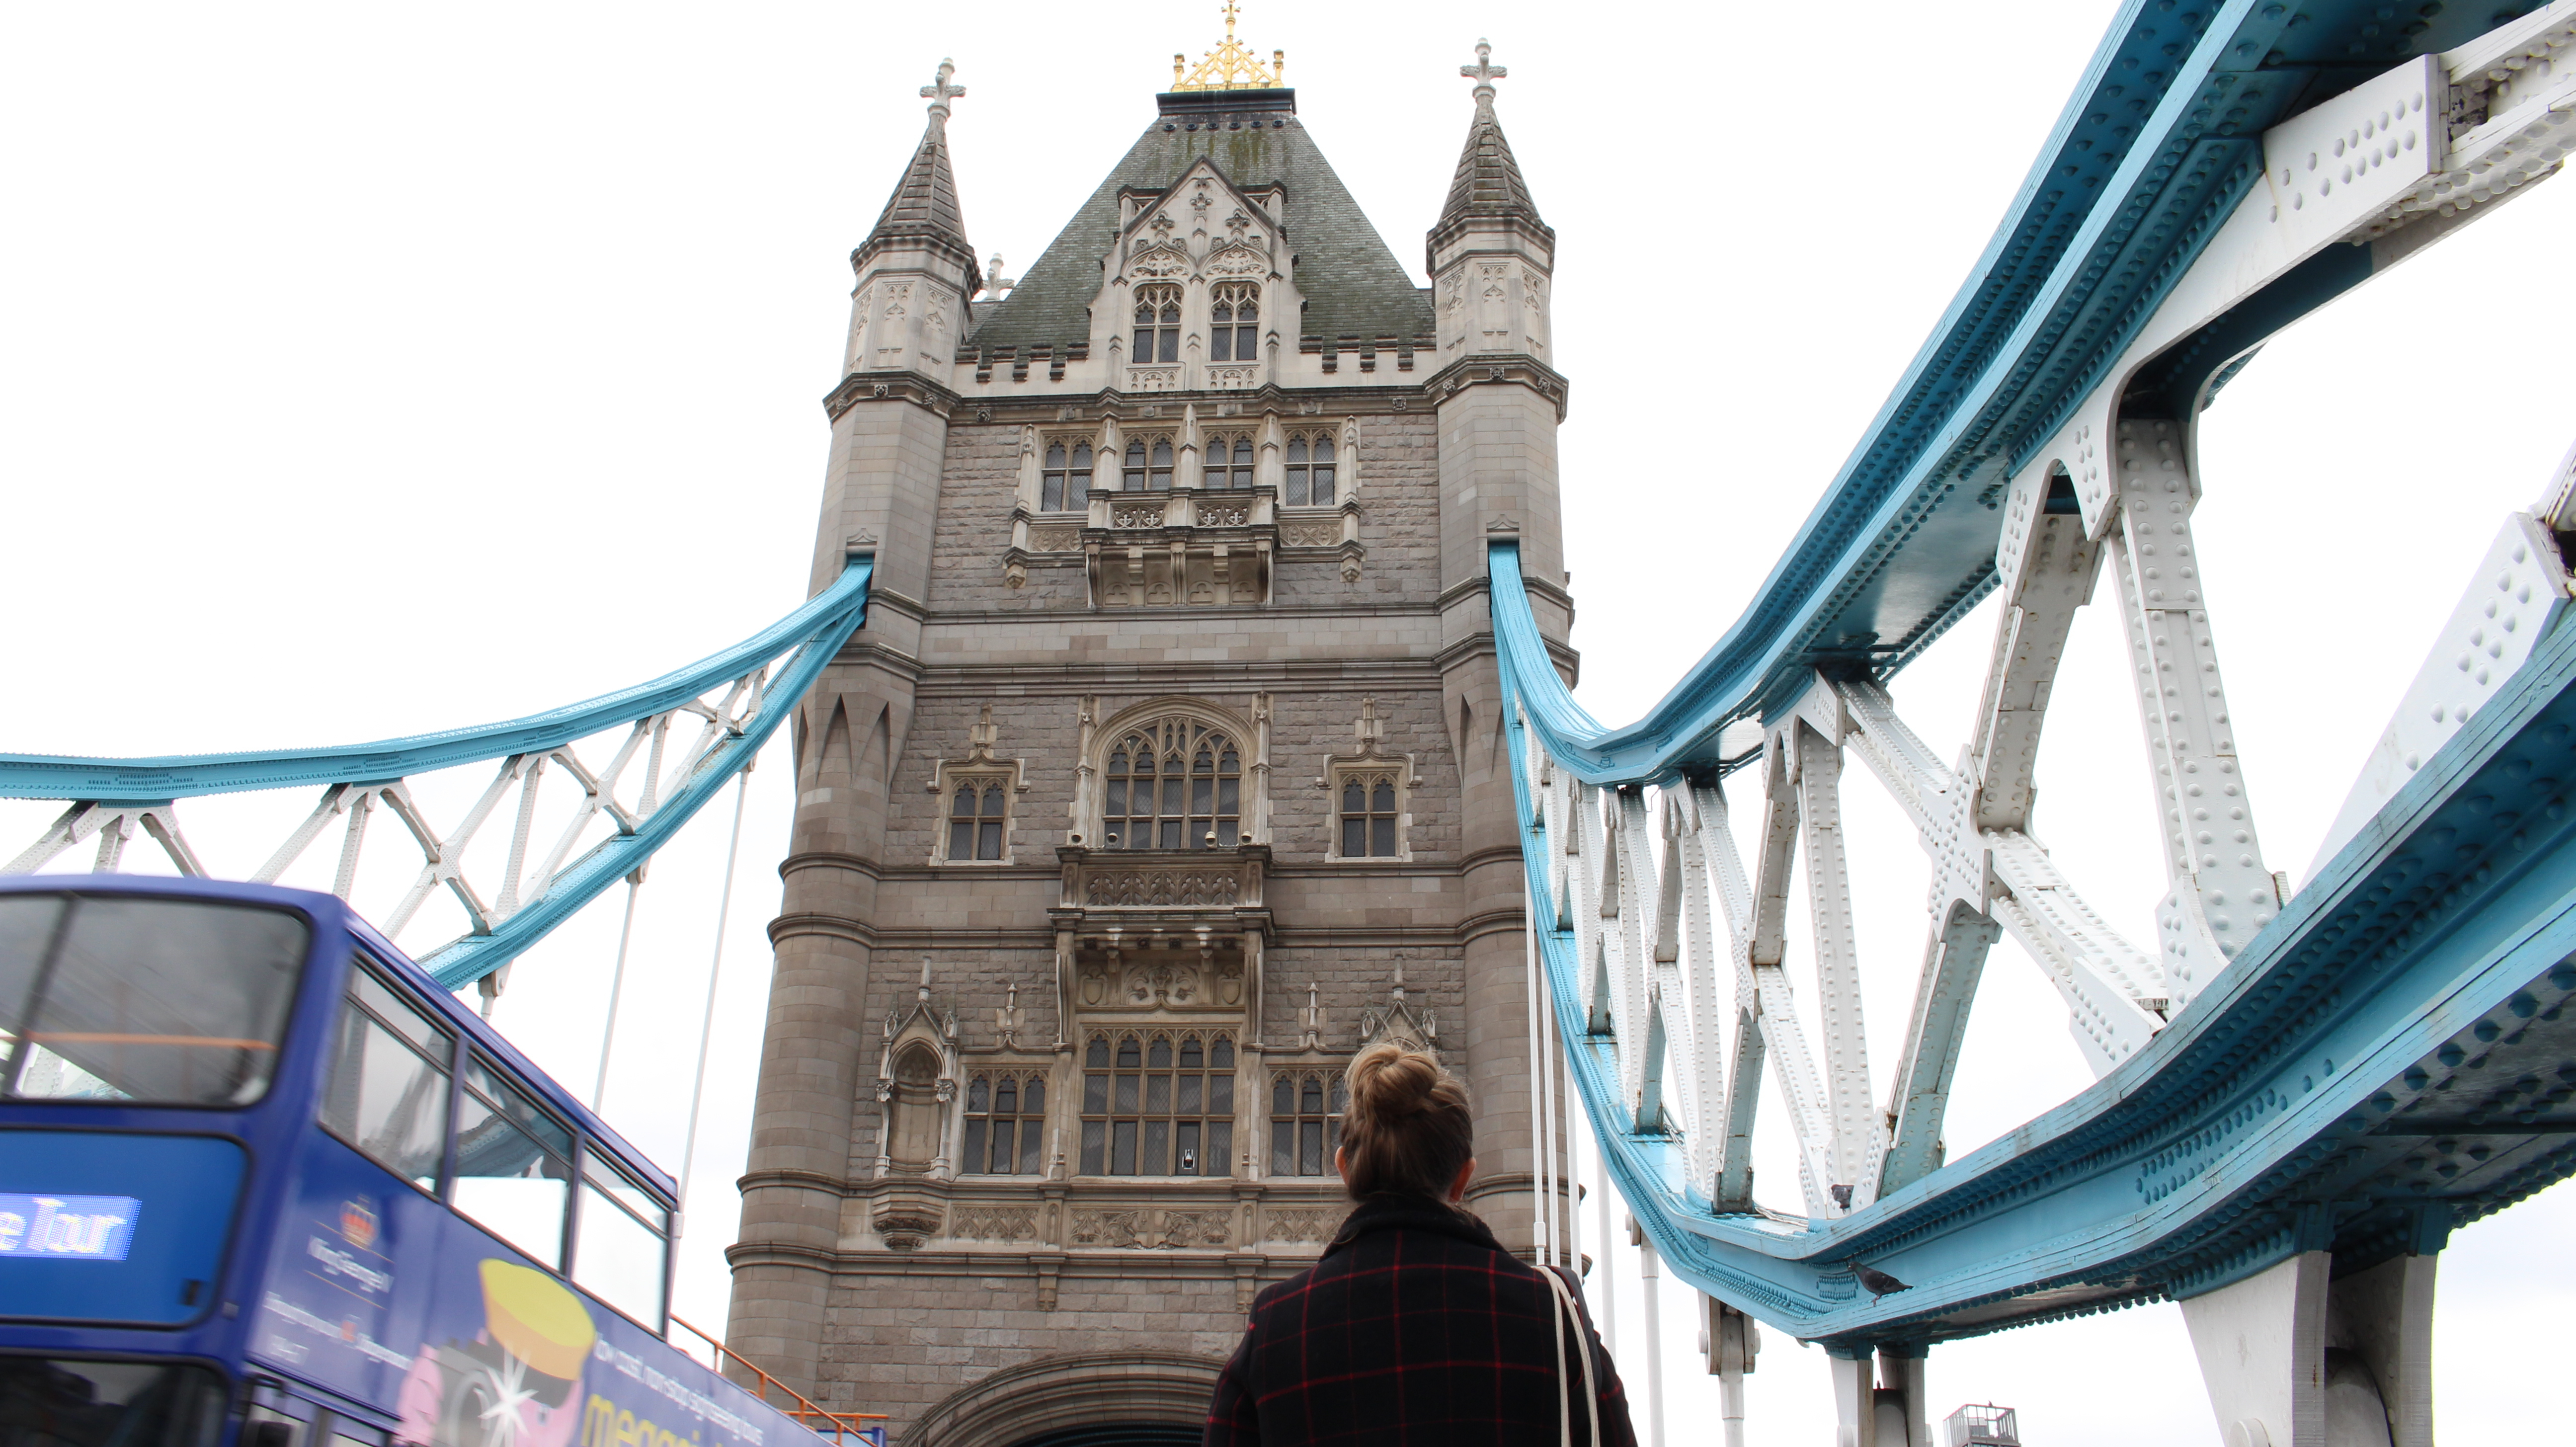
{"x": 939, "y": 93}
{"x": 1484, "y": 73}
{"x": 994, "y": 282}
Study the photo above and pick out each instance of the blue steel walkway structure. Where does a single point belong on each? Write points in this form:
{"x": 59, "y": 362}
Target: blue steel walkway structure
{"x": 737, "y": 697}
{"x": 2300, "y": 1096}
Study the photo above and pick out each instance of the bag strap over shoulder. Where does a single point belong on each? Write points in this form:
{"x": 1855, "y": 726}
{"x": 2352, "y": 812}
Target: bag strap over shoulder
{"x": 1565, "y": 1308}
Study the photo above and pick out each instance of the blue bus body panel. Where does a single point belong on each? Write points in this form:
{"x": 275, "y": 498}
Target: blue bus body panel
{"x": 171, "y": 1199}
{"x": 387, "y": 1298}
{"x": 367, "y": 1295}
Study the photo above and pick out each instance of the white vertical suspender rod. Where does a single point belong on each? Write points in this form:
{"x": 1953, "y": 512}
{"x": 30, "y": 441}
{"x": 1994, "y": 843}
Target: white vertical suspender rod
{"x": 707, "y": 1021}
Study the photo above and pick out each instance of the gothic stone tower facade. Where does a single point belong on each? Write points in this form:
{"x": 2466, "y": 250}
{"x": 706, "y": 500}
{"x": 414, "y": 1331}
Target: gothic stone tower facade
{"x": 1164, "y": 774}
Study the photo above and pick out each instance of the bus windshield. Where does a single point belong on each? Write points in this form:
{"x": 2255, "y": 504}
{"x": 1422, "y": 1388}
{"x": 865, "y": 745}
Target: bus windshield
{"x": 142, "y": 1000}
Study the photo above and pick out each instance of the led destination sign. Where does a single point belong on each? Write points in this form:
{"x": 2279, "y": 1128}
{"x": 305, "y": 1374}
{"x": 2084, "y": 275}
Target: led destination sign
{"x": 67, "y": 1228}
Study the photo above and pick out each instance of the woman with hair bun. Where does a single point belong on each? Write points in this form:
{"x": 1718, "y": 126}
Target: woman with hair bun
{"x": 1416, "y": 1327}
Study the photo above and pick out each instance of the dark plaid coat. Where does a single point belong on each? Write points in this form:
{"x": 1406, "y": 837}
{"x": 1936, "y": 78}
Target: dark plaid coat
{"x": 1416, "y": 1328}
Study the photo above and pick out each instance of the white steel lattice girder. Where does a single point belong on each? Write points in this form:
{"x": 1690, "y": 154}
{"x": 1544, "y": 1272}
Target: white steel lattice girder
{"x": 2222, "y": 894}
{"x": 2112, "y": 990}
{"x": 1834, "y": 930}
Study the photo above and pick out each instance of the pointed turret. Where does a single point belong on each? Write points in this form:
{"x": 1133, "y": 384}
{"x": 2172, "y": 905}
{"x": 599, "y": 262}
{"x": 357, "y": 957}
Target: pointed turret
{"x": 923, "y": 209}
{"x": 1488, "y": 187}
{"x": 916, "y": 270}
{"x": 1491, "y": 263}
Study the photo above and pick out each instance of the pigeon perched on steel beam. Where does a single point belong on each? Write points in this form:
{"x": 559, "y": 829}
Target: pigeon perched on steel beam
{"x": 1878, "y": 1283}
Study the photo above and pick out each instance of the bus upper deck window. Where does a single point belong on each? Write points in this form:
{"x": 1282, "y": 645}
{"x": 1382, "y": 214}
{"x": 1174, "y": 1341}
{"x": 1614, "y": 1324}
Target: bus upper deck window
{"x": 388, "y": 1092}
{"x": 623, "y": 1239}
{"x": 143, "y": 1000}
{"x": 513, "y": 1164}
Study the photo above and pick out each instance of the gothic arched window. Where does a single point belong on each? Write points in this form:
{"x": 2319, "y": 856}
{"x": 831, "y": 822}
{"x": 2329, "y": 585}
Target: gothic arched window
{"x": 1173, "y": 784}
{"x": 1158, "y": 1106}
{"x": 1067, "y": 476}
{"x": 1305, "y": 1121}
{"x": 977, "y": 816}
{"x": 1229, "y": 463}
{"x": 1310, "y": 471}
{"x": 1149, "y": 466}
{"x": 1369, "y": 813}
{"x": 1005, "y": 1122}
{"x": 1234, "y": 324}
{"x": 1158, "y": 325}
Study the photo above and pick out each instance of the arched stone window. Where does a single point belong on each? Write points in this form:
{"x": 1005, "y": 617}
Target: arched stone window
{"x": 1229, "y": 463}
{"x": 1174, "y": 783}
{"x": 1066, "y": 485}
{"x": 1158, "y": 1103}
{"x": 1310, "y": 471}
{"x": 1305, "y": 1121}
{"x": 1149, "y": 465}
{"x": 1005, "y": 1124}
{"x": 978, "y": 819}
{"x": 1158, "y": 325}
{"x": 1234, "y": 324}
{"x": 1370, "y": 814}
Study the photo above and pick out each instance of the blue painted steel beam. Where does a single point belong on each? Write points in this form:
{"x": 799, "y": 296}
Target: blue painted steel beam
{"x": 2160, "y": 140}
{"x": 181, "y": 776}
{"x": 814, "y": 631}
{"x": 2413, "y": 1003}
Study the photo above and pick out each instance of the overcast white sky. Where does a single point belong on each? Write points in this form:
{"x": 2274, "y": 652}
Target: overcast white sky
{"x": 366, "y": 370}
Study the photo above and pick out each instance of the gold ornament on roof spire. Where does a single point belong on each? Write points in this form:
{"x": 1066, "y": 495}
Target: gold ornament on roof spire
{"x": 1230, "y": 66}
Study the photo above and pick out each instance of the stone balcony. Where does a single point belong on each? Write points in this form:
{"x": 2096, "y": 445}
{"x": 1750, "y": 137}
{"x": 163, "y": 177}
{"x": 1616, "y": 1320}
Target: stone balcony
{"x": 1186, "y": 547}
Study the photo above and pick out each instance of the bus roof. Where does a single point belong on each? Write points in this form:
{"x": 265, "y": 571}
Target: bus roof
{"x": 331, "y": 912}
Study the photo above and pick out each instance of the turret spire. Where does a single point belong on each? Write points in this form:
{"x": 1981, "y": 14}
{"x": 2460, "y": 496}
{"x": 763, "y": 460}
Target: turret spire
{"x": 1489, "y": 181}
{"x": 923, "y": 208}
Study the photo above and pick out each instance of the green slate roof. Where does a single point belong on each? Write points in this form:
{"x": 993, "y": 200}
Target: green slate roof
{"x": 1353, "y": 285}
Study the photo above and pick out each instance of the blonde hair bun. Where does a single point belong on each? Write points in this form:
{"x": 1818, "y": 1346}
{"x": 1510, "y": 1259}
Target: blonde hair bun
{"x": 1409, "y": 1129}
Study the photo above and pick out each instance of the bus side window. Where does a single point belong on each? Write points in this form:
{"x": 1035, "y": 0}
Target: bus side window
{"x": 624, "y": 1235}
{"x": 513, "y": 1164}
{"x": 388, "y": 1090}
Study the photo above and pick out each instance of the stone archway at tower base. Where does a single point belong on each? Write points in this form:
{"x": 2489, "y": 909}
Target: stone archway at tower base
{"x": 1051, "y": 1394}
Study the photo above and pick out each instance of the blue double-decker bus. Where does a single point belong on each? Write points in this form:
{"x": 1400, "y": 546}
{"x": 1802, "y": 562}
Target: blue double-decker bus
{"x": 264, "y": 1184}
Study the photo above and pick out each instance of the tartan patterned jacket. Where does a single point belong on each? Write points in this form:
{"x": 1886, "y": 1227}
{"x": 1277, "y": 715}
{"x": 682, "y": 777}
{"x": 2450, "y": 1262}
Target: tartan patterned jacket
{"x": 1418, "y": 1328}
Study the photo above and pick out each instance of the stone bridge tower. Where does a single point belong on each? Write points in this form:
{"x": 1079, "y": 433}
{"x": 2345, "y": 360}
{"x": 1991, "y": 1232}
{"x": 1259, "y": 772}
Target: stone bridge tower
{"x": 1164, "y": 775}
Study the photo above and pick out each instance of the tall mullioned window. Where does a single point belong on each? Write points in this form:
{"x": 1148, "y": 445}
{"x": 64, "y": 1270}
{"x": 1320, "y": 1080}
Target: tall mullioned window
{"x": 1310, "y": 472}
{"x": 1158, "y": 1105}
{"x": 978, "y": 819}
{"x": 1229, "y": 463}
{"x": 1066, "y": 478}
{"x": 1369, "y": 815}
{"x": 1234, "y": 324}
{"x": 1158, "y": 325}
{"x": 1149, "y": 466}
{"x": 1305, "y": 1121}
{"x": 1175, "y": 784}
{"x": 1005, "y": 1124}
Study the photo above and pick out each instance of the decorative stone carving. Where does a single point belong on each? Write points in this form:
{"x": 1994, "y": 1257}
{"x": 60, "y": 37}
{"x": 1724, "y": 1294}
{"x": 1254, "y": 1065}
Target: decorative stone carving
{"x": 1162, "y": 984}
{"x": 1160, "y": 888}
{"x": 1110, "y": 1228}
{"x": 1221, "y": 516}
{"x": 1308, "y": 1227}
{"x": 1055, "y": 539}
{"x": 994, "y": 1223}
{"x": 1153, "y": 379}
{"x": 1311, "y": 535}
{"x": 1236, "y": 261}
{"x": 1143, "y": 515}
{"x": 1141, "y": 1229}
{"x": 907, "y": 1221}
